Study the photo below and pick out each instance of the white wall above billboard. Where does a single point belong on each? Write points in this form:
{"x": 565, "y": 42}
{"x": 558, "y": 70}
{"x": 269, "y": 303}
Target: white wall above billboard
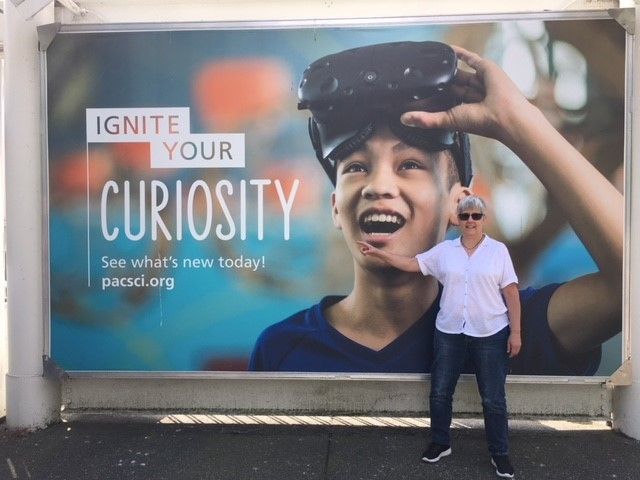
{"x": 127, "y": 11}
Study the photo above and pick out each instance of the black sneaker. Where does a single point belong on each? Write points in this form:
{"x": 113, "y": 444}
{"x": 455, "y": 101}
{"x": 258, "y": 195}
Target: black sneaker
{"x": 503, "y": 466}
{"x": 435, "y": 452}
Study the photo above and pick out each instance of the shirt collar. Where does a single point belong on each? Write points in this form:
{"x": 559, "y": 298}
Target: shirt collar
{"x": 457, "y": 242}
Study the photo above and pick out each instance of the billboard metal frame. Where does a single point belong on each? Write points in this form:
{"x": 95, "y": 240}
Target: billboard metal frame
{"x": 625, "y": 18}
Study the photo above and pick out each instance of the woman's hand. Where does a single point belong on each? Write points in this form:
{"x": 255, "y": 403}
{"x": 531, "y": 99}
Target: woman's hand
{"x": 514, "y": 344}
{"x": 401, "y": 262}
{"x": 368, "y": 249}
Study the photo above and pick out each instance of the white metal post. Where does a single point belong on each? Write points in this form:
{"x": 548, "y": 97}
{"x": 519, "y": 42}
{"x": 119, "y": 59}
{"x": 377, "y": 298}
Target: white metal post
{"x": 626, "y": 407}
{"x": 33, "y": 401}
{"x": 4, "y": 358}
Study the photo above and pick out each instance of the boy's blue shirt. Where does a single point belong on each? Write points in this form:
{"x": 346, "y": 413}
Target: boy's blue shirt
{"x": 306, "y": 342}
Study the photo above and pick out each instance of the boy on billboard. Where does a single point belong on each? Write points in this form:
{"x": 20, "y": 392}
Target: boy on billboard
{"x": 389, "y": 126}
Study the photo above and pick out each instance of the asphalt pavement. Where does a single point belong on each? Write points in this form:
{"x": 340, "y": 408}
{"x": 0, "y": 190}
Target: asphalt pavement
{"x": 220, "y": 447}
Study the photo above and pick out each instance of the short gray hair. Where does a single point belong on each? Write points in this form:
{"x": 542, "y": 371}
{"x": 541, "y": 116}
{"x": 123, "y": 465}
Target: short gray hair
{"x": 471, "y": 202}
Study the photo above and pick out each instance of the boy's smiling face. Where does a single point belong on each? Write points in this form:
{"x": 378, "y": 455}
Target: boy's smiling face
{"x": 393, "y": 196}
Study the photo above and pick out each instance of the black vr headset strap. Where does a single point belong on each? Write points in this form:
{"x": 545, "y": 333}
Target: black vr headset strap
{"x": 462, "y": 157}
{"x": 327, "y": 165}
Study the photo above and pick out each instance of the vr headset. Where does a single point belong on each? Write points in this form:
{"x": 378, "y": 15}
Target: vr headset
{"x": 351, "y": 92}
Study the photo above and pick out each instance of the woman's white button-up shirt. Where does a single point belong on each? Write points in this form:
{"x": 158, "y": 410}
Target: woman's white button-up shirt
{"x": 471, "y": 301}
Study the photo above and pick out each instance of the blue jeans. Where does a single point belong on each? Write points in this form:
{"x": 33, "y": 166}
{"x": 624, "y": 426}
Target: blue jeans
{"x": 489, "y": 357}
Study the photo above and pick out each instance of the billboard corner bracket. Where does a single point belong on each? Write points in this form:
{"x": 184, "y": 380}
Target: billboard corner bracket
{"x": 50, "y": 369}
{"x": 626, "y": 17}
{"x": 621, "y": 377}
{"x": 46, "y": 34}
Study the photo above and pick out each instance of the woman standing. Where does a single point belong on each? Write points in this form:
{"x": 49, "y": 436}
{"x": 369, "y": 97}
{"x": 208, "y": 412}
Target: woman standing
{"x": 479, "y": 320}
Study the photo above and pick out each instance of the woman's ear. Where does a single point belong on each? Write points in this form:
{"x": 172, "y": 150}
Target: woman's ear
{"x": 456, "y": 194}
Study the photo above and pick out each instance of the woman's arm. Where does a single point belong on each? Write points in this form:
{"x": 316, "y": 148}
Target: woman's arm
{"x": 401, "y": 262}
{"x": 512, "y": 300}
{"x": 586, "y": 311}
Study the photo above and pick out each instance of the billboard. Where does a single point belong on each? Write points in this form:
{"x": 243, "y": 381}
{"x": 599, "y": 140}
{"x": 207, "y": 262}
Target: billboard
{"x": 191, "y": 227}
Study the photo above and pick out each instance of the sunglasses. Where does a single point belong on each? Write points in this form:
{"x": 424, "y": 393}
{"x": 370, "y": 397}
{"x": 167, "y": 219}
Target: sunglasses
{"x": 465, "y": 216}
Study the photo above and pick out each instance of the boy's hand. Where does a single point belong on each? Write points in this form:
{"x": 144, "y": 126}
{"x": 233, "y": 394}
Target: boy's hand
{"x": 490, "y": 99}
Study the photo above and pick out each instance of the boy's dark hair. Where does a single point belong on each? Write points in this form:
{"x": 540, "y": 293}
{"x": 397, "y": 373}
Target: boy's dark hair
{"x": 353, "y": 92}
